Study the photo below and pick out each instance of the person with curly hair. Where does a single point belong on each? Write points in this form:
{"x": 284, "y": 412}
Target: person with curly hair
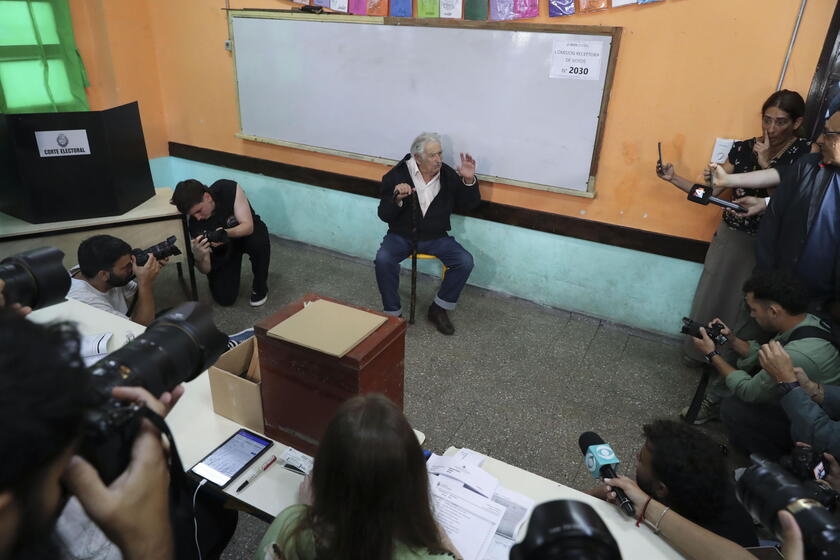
{"x": 684, "y": 469}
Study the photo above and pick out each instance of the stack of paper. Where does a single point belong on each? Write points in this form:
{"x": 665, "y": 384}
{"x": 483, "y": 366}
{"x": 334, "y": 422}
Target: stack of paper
{"x": 481, "y": 517}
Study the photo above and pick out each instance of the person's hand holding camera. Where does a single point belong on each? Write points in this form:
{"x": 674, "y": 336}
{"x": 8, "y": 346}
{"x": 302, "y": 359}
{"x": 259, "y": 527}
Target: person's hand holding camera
{"x": 147, "y": 273}
{"x": 133, "y": 511}
{"x": 832, "y": 470}
{"x": 724, "y": 330}
{"x": 705, "y": 344}
{"x": 21, "y": 310}
{"x": 776, "y": 361}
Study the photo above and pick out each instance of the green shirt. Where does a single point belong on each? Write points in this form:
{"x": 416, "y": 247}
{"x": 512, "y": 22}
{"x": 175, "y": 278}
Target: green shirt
{"x": 304, "y": 548}
{"x": 819, "y": 358}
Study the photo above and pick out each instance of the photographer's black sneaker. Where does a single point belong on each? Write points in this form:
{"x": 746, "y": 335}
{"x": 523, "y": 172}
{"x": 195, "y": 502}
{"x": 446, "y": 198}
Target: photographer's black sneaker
{"x": 258, "y": 298}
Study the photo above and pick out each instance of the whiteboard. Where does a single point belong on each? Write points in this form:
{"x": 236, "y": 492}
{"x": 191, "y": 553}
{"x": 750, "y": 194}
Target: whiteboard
{"x": 363, "y": 88}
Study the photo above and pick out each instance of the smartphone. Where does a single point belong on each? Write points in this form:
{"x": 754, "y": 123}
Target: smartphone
{"x": 659, "y": 161}
{"x": 819, "y": 471}
{"x": 232, "y": 457}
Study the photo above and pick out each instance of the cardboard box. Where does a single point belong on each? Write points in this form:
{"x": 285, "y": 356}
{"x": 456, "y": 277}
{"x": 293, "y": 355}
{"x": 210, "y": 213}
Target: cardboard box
{"x": 235, "y": 386}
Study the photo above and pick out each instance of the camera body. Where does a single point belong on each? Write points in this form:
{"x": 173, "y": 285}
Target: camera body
{"x": 162, "y": 250}
{"x": 176, "y": 347}
{"x": 692, "y": 327}
{"x": 215, "y": 235}
{"x": 35, "y": 278}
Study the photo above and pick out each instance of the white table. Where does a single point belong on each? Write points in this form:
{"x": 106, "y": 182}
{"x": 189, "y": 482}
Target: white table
{"x": 634, "y": 542}
{"x": 148, "y": 224}
{"x": 196, "y": 427}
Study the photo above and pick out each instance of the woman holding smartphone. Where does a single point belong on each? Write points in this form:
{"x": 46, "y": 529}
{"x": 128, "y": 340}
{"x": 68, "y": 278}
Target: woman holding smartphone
{"x": 369, "y": 494}
{"x": 731, "y": 256}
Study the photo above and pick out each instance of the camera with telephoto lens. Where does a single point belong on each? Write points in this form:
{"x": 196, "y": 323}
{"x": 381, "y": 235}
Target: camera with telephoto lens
{"x": 765, "y": 488}
{"x": 566, "y": 530}
{"x": 35, "y": 278}
{"x": 162, "y": 250}
{"x": 801, "y": 463}
{"x": 175, "y": 348}
{"x": 692, "y": 328}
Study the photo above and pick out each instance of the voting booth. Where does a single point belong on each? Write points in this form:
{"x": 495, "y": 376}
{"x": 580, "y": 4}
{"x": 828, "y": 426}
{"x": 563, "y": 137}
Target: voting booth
{"x": 72, "y": 166}
{"x": 303, "y": 386}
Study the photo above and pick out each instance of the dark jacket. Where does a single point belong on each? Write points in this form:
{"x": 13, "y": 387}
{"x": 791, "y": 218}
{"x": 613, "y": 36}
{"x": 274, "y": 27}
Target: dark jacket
{"x": 813, "y": 424}
{"x": 792, "y": 211}
{"x": 453, "y": 196}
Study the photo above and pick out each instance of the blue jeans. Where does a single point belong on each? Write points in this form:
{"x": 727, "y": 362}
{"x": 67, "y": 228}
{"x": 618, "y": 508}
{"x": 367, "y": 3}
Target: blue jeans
{"x": 396, "y": 248}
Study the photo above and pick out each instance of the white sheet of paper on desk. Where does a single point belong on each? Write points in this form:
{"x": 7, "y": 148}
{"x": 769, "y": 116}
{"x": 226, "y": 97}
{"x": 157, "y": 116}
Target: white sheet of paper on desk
{"x": 472, "y": 476}
{"x": 469, "y": 519}
{"x": 469, "y": 457}
{"x": 94, "y": 347}
{"x": 297, "y": 459}
{"x": 720, "y": 153}
{"x": 518, "y": 508}
{"x": 499, "y": 548}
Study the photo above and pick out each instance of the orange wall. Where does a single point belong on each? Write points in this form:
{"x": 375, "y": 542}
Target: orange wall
{"x": 687, "y": 71}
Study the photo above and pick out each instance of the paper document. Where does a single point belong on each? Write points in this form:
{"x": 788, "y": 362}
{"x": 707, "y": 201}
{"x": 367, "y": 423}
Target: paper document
{"x": 720, "y": 153}
{"x": 94, "y": 347}
{"x": 296, "y": 459}
{"x": 499, "y": 548}
{"x": 472, "y": 476}
{"x": 573, "y": 59}
{"x": 518, "y": 508}
{"x": 469, "y": 457}
{"x": 470, "y": 520}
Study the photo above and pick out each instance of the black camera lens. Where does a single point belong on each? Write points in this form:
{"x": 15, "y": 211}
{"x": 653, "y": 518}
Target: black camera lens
{"x": 160, "y": 251}
{"x": 35, "y": 278}
{"x": 566, "y": 530}
{"x": 175, "y": 348}
{"x": 766, "y": 488}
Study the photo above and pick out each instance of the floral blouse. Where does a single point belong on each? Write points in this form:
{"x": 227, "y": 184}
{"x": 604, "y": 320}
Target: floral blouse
{"x": 744, "y": 160}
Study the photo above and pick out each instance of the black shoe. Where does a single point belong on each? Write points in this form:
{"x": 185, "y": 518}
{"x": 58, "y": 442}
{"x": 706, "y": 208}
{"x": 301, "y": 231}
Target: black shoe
{"x": 258, "y": 298}
{"x": 438, "y": 316}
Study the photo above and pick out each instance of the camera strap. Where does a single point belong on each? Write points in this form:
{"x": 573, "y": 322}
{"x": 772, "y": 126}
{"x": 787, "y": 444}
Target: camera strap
{"x": 810, "y": 331}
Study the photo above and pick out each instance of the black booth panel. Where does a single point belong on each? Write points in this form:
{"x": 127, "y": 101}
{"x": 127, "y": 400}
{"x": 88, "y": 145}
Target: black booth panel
{"x": 114, "y": 178}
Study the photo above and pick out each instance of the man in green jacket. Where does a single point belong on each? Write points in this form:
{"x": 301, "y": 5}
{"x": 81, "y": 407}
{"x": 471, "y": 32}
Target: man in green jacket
{"x": 753, "y": 417}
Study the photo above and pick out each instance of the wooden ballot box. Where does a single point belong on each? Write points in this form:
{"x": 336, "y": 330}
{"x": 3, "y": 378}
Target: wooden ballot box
{"x": 302, "y": 388}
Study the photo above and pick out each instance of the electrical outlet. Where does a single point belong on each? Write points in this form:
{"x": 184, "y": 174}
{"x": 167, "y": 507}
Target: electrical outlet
{"x": 228, "y": 45}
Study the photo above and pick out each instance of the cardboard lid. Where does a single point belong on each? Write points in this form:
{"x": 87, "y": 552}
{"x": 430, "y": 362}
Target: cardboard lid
{"x": 328, "y": 327}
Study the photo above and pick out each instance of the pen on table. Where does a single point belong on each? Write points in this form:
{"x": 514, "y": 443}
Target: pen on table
{"x": 257, "y": 473}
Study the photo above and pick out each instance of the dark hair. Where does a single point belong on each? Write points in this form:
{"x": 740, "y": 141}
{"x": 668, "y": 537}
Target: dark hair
{"x": 370, "y": 486}
{"x": 691, "y": 465}
{"x": 788, "y": 101}
{"x": 100, "y": 252}
{"x": 43, "y": 397}
{"x": 187, "y": 194}
{"x": 779, "y": 287}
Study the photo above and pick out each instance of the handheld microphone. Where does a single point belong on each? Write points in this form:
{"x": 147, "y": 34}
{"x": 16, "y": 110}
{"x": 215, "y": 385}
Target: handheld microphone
{"x": 599, "y": 458}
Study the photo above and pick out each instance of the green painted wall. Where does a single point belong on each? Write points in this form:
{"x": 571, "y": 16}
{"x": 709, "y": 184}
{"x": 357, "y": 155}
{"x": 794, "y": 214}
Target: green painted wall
{"x": 630, "y": 287}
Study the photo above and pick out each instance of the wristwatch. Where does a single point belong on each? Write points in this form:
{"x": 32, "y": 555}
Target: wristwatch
{"x": 786, "y": 387}
{"x": 711, "y": 355}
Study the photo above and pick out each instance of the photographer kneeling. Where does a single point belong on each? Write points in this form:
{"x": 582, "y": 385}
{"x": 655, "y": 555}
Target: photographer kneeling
{"x": 754, "y": 420}
{"x": 45, "y": 392}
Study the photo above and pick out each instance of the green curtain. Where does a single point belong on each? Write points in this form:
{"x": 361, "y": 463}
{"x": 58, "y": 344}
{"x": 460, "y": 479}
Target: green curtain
{"x": 40, "y": 68}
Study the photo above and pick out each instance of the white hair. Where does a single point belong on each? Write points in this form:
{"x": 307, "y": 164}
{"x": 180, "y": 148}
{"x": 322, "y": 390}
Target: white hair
{"x": 418, "y": 146}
